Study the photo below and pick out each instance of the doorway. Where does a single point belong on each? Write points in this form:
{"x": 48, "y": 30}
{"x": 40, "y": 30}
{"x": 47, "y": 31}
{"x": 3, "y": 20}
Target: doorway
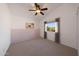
{"x": 52, "y": 27}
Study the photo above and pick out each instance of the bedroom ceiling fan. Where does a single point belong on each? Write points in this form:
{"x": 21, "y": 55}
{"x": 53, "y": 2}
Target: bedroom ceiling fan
{"x": 38, "y": 9}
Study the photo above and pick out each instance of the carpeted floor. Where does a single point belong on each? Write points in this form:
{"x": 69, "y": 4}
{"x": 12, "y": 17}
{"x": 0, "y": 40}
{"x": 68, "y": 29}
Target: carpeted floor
{"x": 40, "y": 47}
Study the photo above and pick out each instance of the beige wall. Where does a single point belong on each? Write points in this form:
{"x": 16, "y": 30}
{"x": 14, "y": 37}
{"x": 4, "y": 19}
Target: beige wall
{"x": 67, "y": 14}
{"x": 20, "y": 16}
{"x": 78, "y": 28}
{"x": 19, "y": 22}
{"x": 4, "y": 28}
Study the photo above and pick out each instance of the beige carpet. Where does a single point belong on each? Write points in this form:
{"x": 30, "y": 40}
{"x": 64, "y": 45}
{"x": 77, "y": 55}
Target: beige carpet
{"x": 40, "y": 47}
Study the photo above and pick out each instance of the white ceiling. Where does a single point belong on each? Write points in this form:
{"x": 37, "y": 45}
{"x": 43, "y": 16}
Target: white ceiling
{"x": 21, "y": 9}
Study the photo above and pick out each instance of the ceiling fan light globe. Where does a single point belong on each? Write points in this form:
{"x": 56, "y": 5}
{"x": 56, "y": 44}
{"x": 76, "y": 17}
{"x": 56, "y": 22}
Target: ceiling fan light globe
{"x": 38, "y": 11}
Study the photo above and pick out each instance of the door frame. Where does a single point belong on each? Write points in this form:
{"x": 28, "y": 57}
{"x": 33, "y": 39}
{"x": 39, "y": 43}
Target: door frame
{"x": 57, "y": 35}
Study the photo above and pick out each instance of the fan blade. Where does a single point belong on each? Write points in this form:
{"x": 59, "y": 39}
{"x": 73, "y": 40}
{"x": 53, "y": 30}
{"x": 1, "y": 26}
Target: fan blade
{"x": 42, "y": 13}
{"x": 37, "y": 6}
{"x": 36, "y": 13}
{"x": 44, "y": 9}
{"x": 32, "y": 10}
